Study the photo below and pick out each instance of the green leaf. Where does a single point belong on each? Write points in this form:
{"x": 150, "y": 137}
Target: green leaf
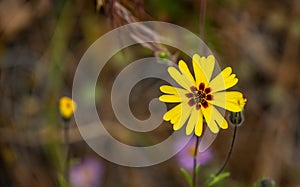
{"x": 216, "y": 179}
{"x": 187, "y": 176}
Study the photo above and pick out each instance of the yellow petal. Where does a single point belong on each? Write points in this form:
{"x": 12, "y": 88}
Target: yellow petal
{"x": 170, "y": 98}
{"x": 231, "y": 81}
{"x": 185, "y": 113}
{"x": 186, "y": 72}
{"x": 208, "y": 115}
{"x": 230, "y": 100}
{"x": 199, "y": 74}
{"x": 219, "y": 119}
{"x": 173, "y": 112}
{"x": 168, "y": 89}
{"x": 192, "y": 122}
{"x": 199, "y": 124}
{"x": 223, "y": 81}
{"x": 172, "y": 90}
{"x": 175, "y": 119}
{"x": 208, "y": 64}
{"x": 179, "y": 78}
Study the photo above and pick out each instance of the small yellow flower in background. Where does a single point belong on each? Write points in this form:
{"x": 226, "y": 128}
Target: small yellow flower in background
{"x": 66, "y": 107}
{"x": 198, "y": 97}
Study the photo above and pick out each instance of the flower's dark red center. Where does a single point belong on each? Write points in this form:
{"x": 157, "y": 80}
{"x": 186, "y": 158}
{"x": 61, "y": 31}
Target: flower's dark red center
{"x": 199, "y": 96}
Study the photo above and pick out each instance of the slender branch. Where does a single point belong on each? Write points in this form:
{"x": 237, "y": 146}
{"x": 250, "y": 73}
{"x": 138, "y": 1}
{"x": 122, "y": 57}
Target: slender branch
{"x": 229, "y": 152}
{"x": 227, "y": 157}
{"x": 68, "y": 155}
{"x": 195, "y": 161}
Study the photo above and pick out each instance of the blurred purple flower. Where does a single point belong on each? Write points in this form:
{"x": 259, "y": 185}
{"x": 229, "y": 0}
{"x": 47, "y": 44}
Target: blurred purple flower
{"x": 185, "y": 156}
{"x": 86, "y": 173}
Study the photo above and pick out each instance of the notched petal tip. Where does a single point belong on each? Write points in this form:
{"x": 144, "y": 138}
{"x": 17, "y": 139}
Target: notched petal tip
{"x": 196, "y": 56}
{"x": 230, "y": 83}
{"x": 211, "y": 57}
{"x": 227, "y": 71}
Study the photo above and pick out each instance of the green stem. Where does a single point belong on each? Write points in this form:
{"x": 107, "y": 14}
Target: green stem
{"x": 228, "y": 155}
{"x": 68, "y": 156}
{"x": 195, "y": 161}
{"x": 229, "y": 152}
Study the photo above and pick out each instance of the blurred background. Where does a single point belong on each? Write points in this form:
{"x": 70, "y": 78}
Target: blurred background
{"x": 42, "y": 41}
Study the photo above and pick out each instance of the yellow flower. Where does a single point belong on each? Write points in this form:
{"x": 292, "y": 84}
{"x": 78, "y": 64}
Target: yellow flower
{"x": 66, "y": 107}
{"x": 198, "y": 97}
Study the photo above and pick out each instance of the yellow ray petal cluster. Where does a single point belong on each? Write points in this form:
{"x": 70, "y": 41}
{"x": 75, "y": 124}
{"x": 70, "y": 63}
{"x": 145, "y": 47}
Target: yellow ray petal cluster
{"x": 199, "y": 96}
